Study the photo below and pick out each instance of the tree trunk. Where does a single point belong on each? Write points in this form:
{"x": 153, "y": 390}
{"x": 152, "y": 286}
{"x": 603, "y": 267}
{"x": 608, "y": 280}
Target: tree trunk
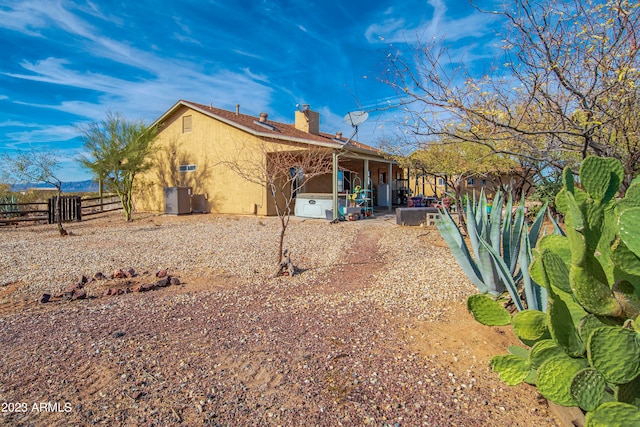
{"x": 61, "y": 229}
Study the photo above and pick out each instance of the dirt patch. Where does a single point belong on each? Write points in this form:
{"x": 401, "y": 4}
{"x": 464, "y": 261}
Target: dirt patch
{"x": 223, "y": 350}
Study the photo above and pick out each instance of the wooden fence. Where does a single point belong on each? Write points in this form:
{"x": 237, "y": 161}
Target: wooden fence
{"x": 72, "y": 208}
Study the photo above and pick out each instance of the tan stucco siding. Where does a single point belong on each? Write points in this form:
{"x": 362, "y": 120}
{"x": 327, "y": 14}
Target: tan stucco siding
{"x": 207, "y": 145}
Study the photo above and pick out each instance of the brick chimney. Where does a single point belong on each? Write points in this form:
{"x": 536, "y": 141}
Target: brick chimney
{"x": 307, "y": 120}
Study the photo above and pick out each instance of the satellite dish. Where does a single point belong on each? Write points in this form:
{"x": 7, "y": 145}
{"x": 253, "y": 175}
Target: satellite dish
{"x": 356, "y": 118}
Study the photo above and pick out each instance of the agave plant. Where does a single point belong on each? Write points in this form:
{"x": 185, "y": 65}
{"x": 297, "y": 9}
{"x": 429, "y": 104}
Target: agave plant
{"x": 501, "y": 246}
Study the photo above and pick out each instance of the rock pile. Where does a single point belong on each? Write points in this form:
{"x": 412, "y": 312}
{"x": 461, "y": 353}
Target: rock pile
{"x": 124, "y": 281}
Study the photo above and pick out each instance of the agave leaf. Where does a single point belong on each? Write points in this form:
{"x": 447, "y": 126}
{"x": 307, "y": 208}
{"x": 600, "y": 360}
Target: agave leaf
{"x": 556, "y": 227}
{"x": 495, "y": 221}
{"x": 488, "y": 268}
{"x": 503, "y": 273}
{"x": 535, "y": 294}
{"x": 506, "y": 230}
{"x": 517, "y": 226}
{"x": 536, "y": 226}
{"x": 454, "y": 240}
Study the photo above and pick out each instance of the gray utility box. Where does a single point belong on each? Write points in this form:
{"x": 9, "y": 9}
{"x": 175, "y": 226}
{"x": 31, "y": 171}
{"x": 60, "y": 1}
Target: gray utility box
{"x": 177, "y": 200}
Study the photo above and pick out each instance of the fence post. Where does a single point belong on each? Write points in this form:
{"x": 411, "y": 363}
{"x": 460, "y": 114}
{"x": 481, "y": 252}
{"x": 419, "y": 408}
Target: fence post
{"x": 50, "y": 208}
{"x": 78, "y": 208}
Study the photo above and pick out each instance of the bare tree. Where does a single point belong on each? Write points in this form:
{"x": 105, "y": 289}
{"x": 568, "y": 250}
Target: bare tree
{"x": 565, "y": 87}
{"x": 39, "y": 166}
{"x": 283, "y": 171}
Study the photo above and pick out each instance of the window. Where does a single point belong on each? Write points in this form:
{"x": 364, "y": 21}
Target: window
{"x": 186, "y": 124}
{"x": 441, "y": 181}
{"x": 186, "y": 168}
{"x": 471, "y": 182}
{"x": 484, "y": 182}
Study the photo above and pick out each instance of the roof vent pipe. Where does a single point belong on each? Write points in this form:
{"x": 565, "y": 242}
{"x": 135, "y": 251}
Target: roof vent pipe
{"x": 338, "y": 135}
{"x": 237, "y": 109}
{"x": 263, "y": 117}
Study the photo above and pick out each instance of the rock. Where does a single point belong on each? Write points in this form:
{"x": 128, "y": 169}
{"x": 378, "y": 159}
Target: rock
{"x": 145, "y": 287}
{"x": 175, "y": 281}
{"x": 79, "y": 294}
{"x": 99, "y": 276}
{"x": 130, "y": 272}
{"x": 163, "y": 283}
{"x": 162, "y": 273}
{"x": 107, "y": 293}
{"x": 45, "y": 298}
{"x": 83, "y": 279}
{"x": 118, "y": 274}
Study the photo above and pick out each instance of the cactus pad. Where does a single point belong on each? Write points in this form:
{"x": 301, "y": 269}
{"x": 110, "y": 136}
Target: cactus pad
{"x": 512, "y": 369}
{"x": 615, "y": 352}
{"x": 530, "y": 325}
{"x": 487, "y": 311}
{"x": 613, "y": 414}
{"x": 543, "y": 350}
{"x": 555, "y": 376}
{"x": 629, "y": 223}
{"x": 562, "y": 327}
{"x": 589, "y": 323}
{"x": 587, "y": 388}
{"x": 631, "y": 198}
{"x": 624, "y": 259}
{"x": 595, "y": 296}
{"x": 629, "y": 392}
{"x": 556, "y": 270}
{"x": 601, "y": 177}
{"x": 628, "y": 299}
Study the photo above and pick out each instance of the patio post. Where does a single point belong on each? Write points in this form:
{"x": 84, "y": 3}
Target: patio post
{"x": 335, "y": 183}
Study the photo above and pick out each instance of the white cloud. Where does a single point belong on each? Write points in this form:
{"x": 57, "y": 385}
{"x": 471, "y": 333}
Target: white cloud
{"x": 440, "y": 26}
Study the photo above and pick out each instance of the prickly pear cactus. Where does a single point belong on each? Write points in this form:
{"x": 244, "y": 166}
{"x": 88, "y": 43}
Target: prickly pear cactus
{"x": 585, "y": 348}
{"x": 530, "y": 326}
{"x": 615, "y": 352}
{"x": 555, "y": 376}
{"x": 511, "y": 368}
{"x": 487, "y": 311}
{"x": 587, "y": 388}
{"x": 613, "y": 414}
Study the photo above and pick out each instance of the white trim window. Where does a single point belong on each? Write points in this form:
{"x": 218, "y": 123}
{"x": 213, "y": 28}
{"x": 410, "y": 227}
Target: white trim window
{"x": 471, "y": 182}
{"x": 186, "y": 124}
{"x": 187, "y": 168}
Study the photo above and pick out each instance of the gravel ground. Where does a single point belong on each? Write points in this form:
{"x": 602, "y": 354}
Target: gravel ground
{"x": 372, "y": 331}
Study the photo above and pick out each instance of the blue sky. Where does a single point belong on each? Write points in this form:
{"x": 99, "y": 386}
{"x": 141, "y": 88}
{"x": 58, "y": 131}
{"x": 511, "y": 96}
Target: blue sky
{"x": 66, "y": 63}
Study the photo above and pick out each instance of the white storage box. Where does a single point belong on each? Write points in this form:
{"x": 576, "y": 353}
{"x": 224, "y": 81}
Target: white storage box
{"x": 313, "y": 205}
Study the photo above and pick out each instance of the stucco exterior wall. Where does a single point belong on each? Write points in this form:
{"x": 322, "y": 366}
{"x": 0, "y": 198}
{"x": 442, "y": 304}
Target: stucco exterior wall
{"x": 207, "y": 145}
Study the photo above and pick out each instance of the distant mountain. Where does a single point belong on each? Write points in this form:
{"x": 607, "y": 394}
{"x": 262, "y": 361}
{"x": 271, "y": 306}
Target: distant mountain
{"x": 87, "y": 186}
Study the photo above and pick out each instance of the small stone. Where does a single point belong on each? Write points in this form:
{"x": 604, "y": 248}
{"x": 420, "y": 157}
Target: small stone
{"x": 145, "y": 287}
{"x": 175, "y": 281}
{"x": 162, "y": 273}
{"x": 79, "y": 294}
{"x": 99, "y": 276}
{"x": 162, "y": 283}
{"x": 45, "y": 298}
{"x": 130, "y": 272}
{"x": 118, "y": 274}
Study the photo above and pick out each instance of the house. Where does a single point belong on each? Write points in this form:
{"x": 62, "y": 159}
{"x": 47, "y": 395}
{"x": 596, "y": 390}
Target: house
{"x": 435, "y": 185}
{"x": 196, "y": 142}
